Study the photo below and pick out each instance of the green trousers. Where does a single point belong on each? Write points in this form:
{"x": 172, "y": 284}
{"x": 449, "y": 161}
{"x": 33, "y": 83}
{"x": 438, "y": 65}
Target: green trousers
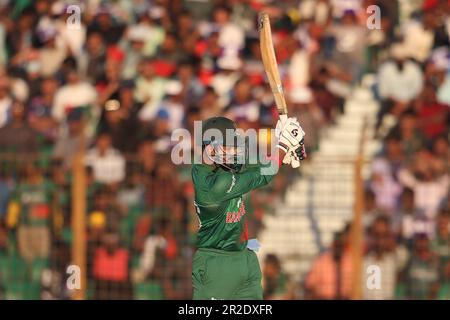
{"x": 225, "y": 275}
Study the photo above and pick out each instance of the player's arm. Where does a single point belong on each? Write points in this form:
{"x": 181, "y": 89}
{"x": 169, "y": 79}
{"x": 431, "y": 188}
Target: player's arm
{"x": 224, "y": 186}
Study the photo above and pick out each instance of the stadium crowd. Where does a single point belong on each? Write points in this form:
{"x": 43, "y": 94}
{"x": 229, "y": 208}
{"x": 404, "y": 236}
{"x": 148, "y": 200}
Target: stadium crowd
{"x": 117, "y": 81}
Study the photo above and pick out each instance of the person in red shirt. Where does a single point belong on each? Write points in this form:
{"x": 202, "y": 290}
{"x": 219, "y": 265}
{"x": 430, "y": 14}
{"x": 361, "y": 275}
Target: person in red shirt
{"x": 432, "y": 114}
{"x": 111, "y": 269}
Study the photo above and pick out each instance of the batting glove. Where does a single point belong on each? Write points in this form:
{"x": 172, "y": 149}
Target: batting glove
{"x": 289, "y": 134}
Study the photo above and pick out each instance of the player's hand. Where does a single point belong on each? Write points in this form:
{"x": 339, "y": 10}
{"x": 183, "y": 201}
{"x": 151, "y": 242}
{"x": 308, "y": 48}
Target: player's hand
{"x": 289, "y": 134}
{"x": 294, "y": 157}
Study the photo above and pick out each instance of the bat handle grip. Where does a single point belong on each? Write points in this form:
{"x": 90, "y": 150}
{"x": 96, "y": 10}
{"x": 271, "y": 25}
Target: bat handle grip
{"x": 283, "y": 118}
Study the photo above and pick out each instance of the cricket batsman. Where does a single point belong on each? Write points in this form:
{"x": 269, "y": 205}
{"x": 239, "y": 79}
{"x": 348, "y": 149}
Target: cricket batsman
{"x": 223, "y": 266}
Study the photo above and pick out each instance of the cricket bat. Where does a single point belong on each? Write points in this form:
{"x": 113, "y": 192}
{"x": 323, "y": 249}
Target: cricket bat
{"x": 271, "y": 67}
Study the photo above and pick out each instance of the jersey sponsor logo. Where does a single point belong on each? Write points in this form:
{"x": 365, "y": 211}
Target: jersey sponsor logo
{"x": 233, "y": 217}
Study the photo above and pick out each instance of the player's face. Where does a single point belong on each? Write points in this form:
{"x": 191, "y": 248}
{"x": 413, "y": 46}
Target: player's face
{"x": 231, "y": 157}
{"x": 229, "y": 151}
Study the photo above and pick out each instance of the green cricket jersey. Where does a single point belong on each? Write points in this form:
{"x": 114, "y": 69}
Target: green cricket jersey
{"x": 220, "y": 206}
{"x": 35, "y": 201}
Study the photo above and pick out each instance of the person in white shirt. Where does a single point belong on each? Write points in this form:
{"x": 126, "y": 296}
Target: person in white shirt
{"x": 430, "y": 184}
{"x": 172, "y": 104}
{"x": 400, "y": 79}
{"x": 341, "y": 6}
{"x": 383, "y": 182}
{"x": 231, "y": 35}
{"x": 5, "y": 100}
{"x": 419, "y": 36}
{"x": 50, "y": 56}
{"x": 223, "y": 81}
{"x": 149, "y": 90}
{"x": 317, "y": 10}
{"x": 409, "y": 220}
{"x": 75, "y": 93}
{"x": 107, "y": 163}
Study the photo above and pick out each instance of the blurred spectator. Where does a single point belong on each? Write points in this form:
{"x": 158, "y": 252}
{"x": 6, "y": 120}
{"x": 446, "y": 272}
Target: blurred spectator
{"x": 441, "y": 149}
{"x": 419, "y": 34}
{"x": 164, "y": 241}
{"x": 17, "y": 136}
{"x": 186, "y": 30}
{"x": 275, "y": 281}
{"x": 383, "y": 180}
{"x": 108, "y": 164}
{"x": 168, "y": 55}
{"x": 242, "y": 105}
{"x": 340, "y": 7}
{"x": 5, "y": 100}
{"x": 421, "y": 272}
{"x": 137, "y": 37}
{"x": 146, "y": 156}
{"x": 149, "y": 90}
{"x": 164, "y": 188}
{"x": 321, "y": 88}
{"x": 412, "y": 138}
{"x": 119, "y": 119}
{"x": 410, "y": 220}
{"x": 105, "y": 24}
{"x": 75, "y": 93}
{"x": 330, "y": 274}
{"x": 70, "y": 141}
{"x": 317, "y": 11}
{"x": 92, "y": 59}
{"x": 39, "y": 113}
{"x": 172, "y": 104}
{"x": 19, "y": 38}
{"x": 71, "y": 38}
{"x": 50, "y": 56}
{"x": 192, "y": 90}
{"x": 386, "y": 256}
{"x": 433, "y": 115}
{"x": 350, "y": 39}
{"x": 429, "y": 179}
{"x": 131, "y": 193}
{"x": 231, "y": 36}
{"x": 443, "y": 94}
{"x": 209, "y": 104}
{"x": 111, "y": 270}
{"x": 61, "y": 204}
{"x": 441, "y": 243}
{"x": 401, "y": 80}
{"x": 30, "y": 211}
{"x": 226, "y": 78}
